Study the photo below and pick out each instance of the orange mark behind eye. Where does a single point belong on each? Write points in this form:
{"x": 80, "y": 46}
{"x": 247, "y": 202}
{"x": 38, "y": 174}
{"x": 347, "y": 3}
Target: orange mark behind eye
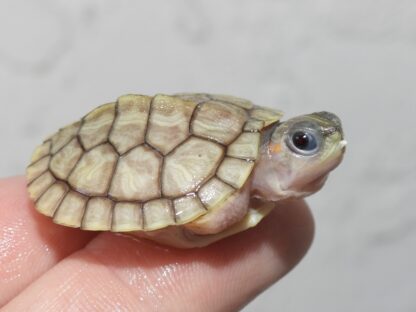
{"x": 275, "y": 148}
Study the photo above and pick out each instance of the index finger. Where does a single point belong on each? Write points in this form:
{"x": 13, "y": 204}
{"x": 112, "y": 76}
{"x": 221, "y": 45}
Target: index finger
{"x": 29, "y": 243}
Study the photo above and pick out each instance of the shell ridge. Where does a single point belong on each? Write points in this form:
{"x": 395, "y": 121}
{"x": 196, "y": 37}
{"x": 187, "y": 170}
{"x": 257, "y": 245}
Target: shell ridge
{"x": 88, "y": 134}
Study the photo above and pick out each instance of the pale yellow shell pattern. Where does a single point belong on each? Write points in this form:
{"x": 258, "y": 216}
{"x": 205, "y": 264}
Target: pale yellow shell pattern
{"x": 145, "y": 163}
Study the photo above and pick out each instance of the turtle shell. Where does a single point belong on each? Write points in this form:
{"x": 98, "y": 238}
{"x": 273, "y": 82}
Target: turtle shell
{"x": 145, "y": 163}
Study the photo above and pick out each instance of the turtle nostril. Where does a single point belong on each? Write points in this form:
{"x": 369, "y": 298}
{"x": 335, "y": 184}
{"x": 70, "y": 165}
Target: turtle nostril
{"x": 333, "y": 119}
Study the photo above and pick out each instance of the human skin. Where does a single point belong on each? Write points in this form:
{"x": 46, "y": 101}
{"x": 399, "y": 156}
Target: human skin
{"x": 47, "y": 267}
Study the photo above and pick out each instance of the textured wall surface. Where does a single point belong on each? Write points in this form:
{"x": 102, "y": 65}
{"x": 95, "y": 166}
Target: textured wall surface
{"x": 59, "y": 59}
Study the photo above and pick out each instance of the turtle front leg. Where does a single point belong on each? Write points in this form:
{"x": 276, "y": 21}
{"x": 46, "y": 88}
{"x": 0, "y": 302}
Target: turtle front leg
{"x": 224, "y": 215}
{"x": 181, "y": 237}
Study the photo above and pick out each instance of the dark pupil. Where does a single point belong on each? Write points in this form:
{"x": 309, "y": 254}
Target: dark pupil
{"x": 303, "y": 141}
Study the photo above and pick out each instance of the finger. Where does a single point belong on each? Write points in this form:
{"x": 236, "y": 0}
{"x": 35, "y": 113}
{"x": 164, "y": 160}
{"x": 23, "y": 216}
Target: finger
{"x": 115, "y": 272}
{"x": 30, "y": 244}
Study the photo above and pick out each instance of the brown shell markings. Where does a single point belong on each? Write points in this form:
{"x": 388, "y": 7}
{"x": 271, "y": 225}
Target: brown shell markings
{"x": 145, "y": 163}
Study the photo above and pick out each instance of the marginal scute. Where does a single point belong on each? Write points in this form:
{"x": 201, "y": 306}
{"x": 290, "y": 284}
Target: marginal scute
{"x": 137, "y": 175}
{"x": 41, "y": 151}
{"x": 168, "y": 122}
{"x": 50, "y": 200}
{"x": 63, "y": 136}
{"x": 267, "y": 115}
{"x": 189, "y": 165}
{"x": 235, "y": 171}
{"x": 218, "y": 121}
{"x": 158, "y": 214}
{"x": 246, "y": 146}
{"x": 243, "y": 103}
{"x": 92, "y": 175}
{"x": 71, "y": 210}
{"x": 188, "y": 208}
{"x": 131, "y": 121}
{"x": 214, "y": 193}
{"x": 38, "y": 186}
{"x": 64, "y": 161}
{"x": 97, "y": 216}
{"x": 127, "y": 217}
{"x": 97, "y": 125}
{"x": 37, "y": 168}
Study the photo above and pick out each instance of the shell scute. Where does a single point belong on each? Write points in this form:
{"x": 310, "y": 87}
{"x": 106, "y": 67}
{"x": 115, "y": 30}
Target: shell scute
{"x": 127, "y": 217}
{"x": 214, "y": 193}
{"x": 51, "y": 199}
{"x": 188, "y": 208}
{"x": 243, "y": 103}
{"x": 65, "y": 160}
{"x": 92, "y": 175}
{"x": 254, "y": 125}
{"x": 246, "y": 146}
{"x": 41, "y": 151}
{"x": 189, "y": 165}
{"x": 235, "y": 171}
{"x": 168, "y": 122}
{"x": 97, "y": 216}
{"x": 267, "y": 115}
{"x": 218, "y": 121}
{"x": 129, "y": 127}
{"x": 137, "y": 175}
{"x": 39, "y": 186}
{"x": 96, "y": 126}
{"x": 71, "y": 210}
{"x": 158, "y": 214}
{"x": 37, "y": 168}
{"x": 197, "y": 98}
{"x": 64, "y": 136}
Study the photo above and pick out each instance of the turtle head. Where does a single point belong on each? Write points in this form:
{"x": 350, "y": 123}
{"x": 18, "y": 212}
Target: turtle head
{"x": 301, "y": 152}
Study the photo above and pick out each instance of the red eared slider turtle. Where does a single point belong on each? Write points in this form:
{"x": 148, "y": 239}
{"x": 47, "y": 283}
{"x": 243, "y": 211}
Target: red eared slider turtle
{"x": 184, "y": 170}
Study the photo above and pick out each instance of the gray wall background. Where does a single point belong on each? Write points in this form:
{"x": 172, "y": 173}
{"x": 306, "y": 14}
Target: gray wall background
{"x": 59, "y": 59}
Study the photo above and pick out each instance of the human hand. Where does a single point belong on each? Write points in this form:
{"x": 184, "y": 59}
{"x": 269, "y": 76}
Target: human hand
{"x": 47, "y": 267}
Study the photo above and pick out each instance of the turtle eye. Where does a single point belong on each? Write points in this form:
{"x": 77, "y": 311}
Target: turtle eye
{"x": 304, "y": 142}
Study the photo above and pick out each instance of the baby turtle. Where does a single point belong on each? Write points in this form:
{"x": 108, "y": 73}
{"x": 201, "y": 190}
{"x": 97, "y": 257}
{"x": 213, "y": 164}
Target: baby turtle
{"x": 184, "y": 170}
